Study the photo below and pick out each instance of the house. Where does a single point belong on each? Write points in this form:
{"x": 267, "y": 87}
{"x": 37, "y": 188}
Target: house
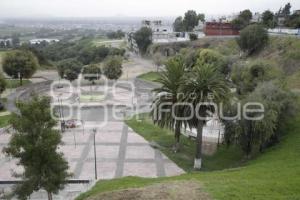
{"x": 157, "y": 26}
{"x": 199, "y": 27}
{"x": 281, "y": 20}
{"x": 163, "y": 33}
{"x": 256, "y": 18}
{"x": 219, "y": 29}
{"x": 296, "y": 12}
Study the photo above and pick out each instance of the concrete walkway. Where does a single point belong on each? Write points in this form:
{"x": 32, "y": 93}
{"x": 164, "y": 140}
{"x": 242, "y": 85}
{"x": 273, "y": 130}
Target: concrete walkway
{"x": 120, "y": 152}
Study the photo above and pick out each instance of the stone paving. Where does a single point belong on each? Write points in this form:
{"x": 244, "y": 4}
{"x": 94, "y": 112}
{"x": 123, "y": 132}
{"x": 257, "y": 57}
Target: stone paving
{"x": 120, "y": 152}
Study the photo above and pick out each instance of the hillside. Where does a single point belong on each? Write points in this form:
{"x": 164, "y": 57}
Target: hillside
{"x": 274, "y": 175}
{"x": 281, "y": 51}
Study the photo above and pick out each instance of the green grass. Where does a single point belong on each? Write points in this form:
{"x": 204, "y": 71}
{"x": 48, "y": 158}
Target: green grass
{"x": 4, "y": 119}
{"x": 164, "y": 138}
{"x": 150, "y": 76}
{"x": 91, "y": 98}
{"x": 2, "y": 53}
{"x": 14, "y": 83}
{"x": 273, "y": 175}
{"x": 293, "y": 81}
{"x": 119, "y": 43}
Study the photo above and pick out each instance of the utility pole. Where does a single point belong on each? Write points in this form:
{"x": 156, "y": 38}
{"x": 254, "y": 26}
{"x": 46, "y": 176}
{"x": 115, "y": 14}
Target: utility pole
{"x": 95, "y": 156}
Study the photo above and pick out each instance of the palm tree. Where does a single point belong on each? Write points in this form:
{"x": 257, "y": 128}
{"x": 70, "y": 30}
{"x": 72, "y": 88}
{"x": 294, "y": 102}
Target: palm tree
{"x": 202, "y": 86}
{"x": 167, "y": 97}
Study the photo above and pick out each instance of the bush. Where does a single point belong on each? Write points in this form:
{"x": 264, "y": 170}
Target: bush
{"x": 253, "y": 38}
{"x": 193, "y": 36}
{"x": 115, "y": 34}
{"x": 255, "y": 135}
{"x": 214, "y": 58}
{"x": 247, "y": 77}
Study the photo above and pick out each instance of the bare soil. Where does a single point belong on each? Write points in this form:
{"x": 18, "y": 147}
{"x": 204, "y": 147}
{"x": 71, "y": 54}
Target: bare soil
{"x": 177, "y": 190}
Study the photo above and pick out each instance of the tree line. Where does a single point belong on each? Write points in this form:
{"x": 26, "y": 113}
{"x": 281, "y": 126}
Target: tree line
{"x": 269, "y": 19}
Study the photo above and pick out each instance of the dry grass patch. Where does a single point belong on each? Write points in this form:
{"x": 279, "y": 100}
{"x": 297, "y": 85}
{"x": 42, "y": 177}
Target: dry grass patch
{"x": 176, "y": 190}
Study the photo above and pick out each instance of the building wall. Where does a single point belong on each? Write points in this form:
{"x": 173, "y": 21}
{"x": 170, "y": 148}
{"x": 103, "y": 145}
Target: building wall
{"x": 217, "y": 28}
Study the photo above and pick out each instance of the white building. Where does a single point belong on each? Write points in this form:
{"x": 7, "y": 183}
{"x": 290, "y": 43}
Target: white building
{"x": 256, "y": 17}
{"x": 40, "y": 40}
{"x": 163, "y": 33}
{"x": 157, "y": 26}
{"x": 5, "y": 42}
{"x": 213, "y": 131}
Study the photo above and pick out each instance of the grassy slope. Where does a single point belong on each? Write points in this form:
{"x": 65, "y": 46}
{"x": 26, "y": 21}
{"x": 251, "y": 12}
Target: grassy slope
{"x": 150, "y": 76}
{"x": 274, "y": 175}
{"x": 4, "y": 118}
{"x": 14, "y": 83}
{"x": 2, "y": 53}
{"x": 281, "y": 51}
{"x": 224, "y": 158}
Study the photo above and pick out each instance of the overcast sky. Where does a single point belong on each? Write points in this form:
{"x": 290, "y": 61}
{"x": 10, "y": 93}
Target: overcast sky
{"x": 134, "y": 8}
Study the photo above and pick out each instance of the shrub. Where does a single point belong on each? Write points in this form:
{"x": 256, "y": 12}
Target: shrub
{"x": 214, "y": 58}
{"x": 253, "y": 38}
{"x": 193, "y": 36}
{"x": 247, "y": 77}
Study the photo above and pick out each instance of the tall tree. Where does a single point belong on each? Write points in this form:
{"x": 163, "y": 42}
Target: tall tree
{"x": 202, "y": 86}
{"x": 113, "y": 68}
{"x": 143, "y": 38}
{"x": 249, "y": 132}
{"x": 268, "y": 19}
{"x": 178, "y": 25}
{"x": 190, "y": 20}
{"x": 2, "y": 44}
{"x": 286, "y": 11}
{"x": 92, "y": 73}
{"x": 168, "y": 96}
{"x": 201, "y": 17}
{"x": 20, "y": 64}
{"x": 243, "y": 19}
{"x": 69, "y": 69}
{"x": 34, "y": 144}
{"x": 246, "y": 15}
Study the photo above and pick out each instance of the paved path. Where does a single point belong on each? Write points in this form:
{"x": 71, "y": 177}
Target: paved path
{"x": 120, "y": 152}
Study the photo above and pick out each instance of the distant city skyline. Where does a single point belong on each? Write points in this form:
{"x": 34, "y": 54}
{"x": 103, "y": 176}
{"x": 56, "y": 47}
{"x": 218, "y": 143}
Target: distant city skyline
{"x": 132, "y": 8}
